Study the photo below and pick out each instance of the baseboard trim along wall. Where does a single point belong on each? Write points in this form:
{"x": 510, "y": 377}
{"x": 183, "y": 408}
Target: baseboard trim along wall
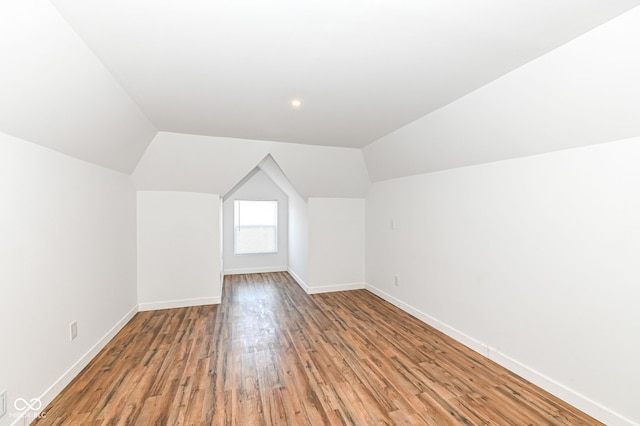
{"x": 563, "y": 392}
{"x": 299, "y": 280}
{"x": 334, "y": 287}
{"x": 325, "y": 288}
{"x": 76, "y": 368}
{"x": 241, "y": 271}
{"x": 184, "y": 303}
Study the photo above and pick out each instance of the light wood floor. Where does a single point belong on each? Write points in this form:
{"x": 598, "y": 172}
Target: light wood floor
{"x": 272, "y": 355}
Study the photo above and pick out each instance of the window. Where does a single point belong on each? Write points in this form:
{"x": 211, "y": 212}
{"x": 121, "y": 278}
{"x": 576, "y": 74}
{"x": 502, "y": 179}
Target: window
{"x": 255, "y": 226}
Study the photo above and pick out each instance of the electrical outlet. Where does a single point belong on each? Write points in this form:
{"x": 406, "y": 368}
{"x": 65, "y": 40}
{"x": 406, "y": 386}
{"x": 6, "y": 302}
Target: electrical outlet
{"x": 3, "y": 403}
{"x": 74, "y": 330}
{"x": 396, "y": 281}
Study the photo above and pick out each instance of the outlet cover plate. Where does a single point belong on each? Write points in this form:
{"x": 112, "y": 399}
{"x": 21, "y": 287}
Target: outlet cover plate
{"x": 74, "y": 330}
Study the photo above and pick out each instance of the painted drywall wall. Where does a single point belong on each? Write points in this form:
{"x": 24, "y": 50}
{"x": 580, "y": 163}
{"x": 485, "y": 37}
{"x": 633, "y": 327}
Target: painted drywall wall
{"x": 178, "y": 249}
{"x": 326, "y": 237}
{"x": 67, "y": 253}
{"x": 532, "y": 261}
{"x": 55, "y": 91}
{"x": 582, "y": 93}
{"x": 336, "y": 244}
{"x": 298, "y": 218}
{"x": 258, "y": 187}
{"x": 299, "y": 239}
{"x": 179, "y": 162}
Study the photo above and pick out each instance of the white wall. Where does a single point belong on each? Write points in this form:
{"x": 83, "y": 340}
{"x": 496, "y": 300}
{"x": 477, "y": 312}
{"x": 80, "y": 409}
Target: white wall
{"x": 336, "y": 244}
{"x": 533, "y": 261}
{"x": 258, "y": 187}
{"x": 178, "y": 249}
{"x": 298, "y": 218}
{"x": 299, "y": 239}
{"x": 67, "y": 253}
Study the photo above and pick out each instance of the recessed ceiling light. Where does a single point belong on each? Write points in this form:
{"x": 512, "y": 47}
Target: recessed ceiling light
{"x": 296, "y": 103}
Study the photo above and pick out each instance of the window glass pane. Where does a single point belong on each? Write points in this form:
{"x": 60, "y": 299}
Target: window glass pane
{"x": 255, "y": 227}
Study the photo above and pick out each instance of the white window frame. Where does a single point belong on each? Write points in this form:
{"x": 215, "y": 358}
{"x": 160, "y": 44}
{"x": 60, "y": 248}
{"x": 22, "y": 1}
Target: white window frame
{"x": 237, "y": 226}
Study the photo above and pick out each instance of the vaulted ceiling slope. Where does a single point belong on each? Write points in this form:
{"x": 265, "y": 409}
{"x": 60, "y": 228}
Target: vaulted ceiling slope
{"x": 98, "y": 79}
{"x": 361, "y": 68}
{"x": 55, "y": 92}
{"x": 191, "y": 163}
{"x": 585, "y": 92}
{"x": 271, "y": 170}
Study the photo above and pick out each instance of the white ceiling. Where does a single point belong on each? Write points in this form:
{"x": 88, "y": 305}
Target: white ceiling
{"x": 362, "y": 68}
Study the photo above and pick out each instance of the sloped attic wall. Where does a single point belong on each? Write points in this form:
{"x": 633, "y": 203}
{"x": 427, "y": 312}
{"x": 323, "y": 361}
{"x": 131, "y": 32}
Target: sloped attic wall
{"x": 67, "y": 232}
{"x": 179, "y": 162}
{"x": 532, "y": 261}
{"x": 56, "y": 93}
{"x": 582, "y": 93}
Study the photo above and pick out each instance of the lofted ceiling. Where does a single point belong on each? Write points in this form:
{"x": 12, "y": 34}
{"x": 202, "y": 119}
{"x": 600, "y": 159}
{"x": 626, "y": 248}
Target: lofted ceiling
{"x": 361, "y": 68}
{"x": 56, "y": 93}
{"x": 195, "y": 163}
{"x": 584, "y": 92}
{"x": 99, "y": 80}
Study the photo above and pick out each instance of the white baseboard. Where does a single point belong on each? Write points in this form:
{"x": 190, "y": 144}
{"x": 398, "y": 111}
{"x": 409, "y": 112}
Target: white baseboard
{"x": 325, "y": 288}
{"x": 264, "y": 270}
{"x": 299, "y": 280}
{"x": 468, "y": 341}
{"x": 334, "y": 287}
{"x": 184, "y": 303}
{"x": 563, "y": 392}
{"x": 76, "y": 368}
{"x": 570, "y": 396}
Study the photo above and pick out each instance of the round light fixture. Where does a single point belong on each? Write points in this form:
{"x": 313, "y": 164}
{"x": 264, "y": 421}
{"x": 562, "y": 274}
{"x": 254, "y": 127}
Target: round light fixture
{"x": 296, "y": 103}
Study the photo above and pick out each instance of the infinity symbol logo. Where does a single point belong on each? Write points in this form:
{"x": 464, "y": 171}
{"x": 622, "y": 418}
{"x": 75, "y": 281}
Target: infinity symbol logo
{"x": 22, "y": 404}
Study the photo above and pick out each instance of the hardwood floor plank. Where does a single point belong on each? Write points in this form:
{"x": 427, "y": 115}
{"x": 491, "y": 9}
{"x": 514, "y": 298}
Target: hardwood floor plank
{"x": 272, "y": 355}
